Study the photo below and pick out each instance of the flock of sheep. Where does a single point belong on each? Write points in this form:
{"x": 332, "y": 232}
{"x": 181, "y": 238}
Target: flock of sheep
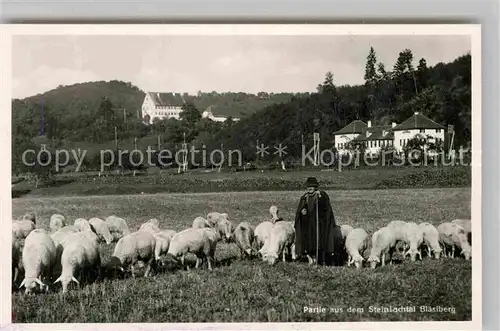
{"x": 69, "y": 253}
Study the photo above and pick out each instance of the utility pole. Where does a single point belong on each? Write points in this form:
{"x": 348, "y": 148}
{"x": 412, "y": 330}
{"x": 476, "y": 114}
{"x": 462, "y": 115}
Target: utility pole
{"x": 124, "y": 116}
{"x": 159, "y": 148}
{"x": 116, "y": 138}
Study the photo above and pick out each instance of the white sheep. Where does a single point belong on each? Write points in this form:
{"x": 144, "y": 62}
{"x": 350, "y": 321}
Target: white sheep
{"x": 117, "y": 226}
{"x": 62, "y": 233}
{"x": 225, "y": 228}
{"x": 262, "y": 233}
{"x": 214, "y": 217}
{"x": 82, "y": 224}
{"x": 400, "y": 231}
{"x": 467, "y": 225}
{"x": 39, "y": 257}
{"x": 200, "y": 242}
{"x": 273, "y": 210}
{"x": 345, "y": 229}
{"x": 383, "y": 243}
{"x": 281, "y": 241}
{"x": 150, "y": 226}
{"x": 21, "y": 229}
{"x": 243, "y": 236}
{"x": 162, "y": 244}
{"x": 415, "y": 238}
{"x": 80, "y": 255}
{"x": 431, "y": 239}
{"x": 168, "y": 233}
{"x": 453, "y": 236}
{"x": 135, "y": 247}
{"x": 31, "y": 216}
{"x": 355, "y": 244}
{"x": 101, "y": 229}
{"x": 200, "y": 223}
{"x": 57, "y": 221}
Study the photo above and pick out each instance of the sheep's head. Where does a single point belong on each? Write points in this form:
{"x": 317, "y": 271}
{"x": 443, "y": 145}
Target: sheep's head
{"x": 33, "y": 285}
{"x": 115, "y": 266}
{"x": 358, "y": 261}
{"x": 467, "y": 253}
{"x": 225, "y": 229}
{"x": 437, "y": 253}
{"x": 65, "y": 280}
{"x": 413, "y": 254}
{"x": 373, "y": 261}
{"x": 273, "y": 210}
{"x": 270, "y": 258}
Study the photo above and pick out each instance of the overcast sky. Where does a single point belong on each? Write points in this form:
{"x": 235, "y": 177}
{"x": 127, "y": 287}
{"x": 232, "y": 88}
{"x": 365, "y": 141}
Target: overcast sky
{"x": 213, "y": 63}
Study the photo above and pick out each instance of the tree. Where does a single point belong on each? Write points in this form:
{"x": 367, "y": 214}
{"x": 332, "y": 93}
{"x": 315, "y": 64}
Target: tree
{"x": 190, "y": 114}
{"x": 370, "y": 71}
{"x": 328, "y": 86}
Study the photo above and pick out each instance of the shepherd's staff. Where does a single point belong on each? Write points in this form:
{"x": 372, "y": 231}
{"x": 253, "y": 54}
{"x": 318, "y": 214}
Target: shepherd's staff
{"x": 318, "y": 195}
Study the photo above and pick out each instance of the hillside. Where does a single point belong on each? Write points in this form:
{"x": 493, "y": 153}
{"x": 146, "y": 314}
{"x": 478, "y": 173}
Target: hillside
{"x": 86, "y": 114}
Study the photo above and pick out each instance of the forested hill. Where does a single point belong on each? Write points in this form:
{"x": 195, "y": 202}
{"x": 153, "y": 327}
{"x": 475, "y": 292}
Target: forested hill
{"x": 441, "y": 92}
{"x": 89, "y": 112}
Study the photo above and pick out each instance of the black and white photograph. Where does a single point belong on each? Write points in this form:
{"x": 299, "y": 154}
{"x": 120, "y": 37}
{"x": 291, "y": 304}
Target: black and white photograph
{"x": 245, "y": 174}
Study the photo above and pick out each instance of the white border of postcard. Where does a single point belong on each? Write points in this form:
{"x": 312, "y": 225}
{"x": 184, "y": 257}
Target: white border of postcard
{"x": 472, "y": 30}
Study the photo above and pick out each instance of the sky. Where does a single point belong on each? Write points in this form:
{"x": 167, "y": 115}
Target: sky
{"x": 213, "y": 63}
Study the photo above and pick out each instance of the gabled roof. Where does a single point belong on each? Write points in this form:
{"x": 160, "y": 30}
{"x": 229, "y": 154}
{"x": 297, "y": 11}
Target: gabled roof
{"x": 356, "y": 126}
{"x": 166, "y": 99}
{"x": 418, "y": 121}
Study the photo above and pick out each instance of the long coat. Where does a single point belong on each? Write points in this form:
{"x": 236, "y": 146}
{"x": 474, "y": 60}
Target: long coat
{"x": 329, "y": 233}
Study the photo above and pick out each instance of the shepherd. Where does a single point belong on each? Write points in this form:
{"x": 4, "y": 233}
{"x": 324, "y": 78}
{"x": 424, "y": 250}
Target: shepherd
{"x": 317, "y": 235}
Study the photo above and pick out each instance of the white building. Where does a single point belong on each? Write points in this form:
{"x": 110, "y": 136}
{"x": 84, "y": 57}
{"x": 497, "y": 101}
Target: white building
{"x": 376, "y": 137}
{"x": 214, "y": 113}
{"x": 162, "y": 105}
{"x": 416, "y": 125}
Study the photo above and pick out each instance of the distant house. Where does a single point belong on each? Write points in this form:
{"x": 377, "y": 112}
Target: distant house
{"x": 162, "y": 105}
{"x": 217, "y": 114}
{"x": 375, "y": 138}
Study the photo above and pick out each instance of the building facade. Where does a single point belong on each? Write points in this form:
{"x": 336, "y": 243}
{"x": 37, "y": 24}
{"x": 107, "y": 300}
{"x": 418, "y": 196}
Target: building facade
{"x": 162, "y": 105}
{"x": 169, "y": 105}
{"x": 397, "y": 136}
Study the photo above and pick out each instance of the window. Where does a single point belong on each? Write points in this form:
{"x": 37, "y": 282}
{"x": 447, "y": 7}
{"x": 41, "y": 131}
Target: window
{"x": 401, "y": 142}
{"x": 422, "y": 130}
{"x": 438, "y": 130}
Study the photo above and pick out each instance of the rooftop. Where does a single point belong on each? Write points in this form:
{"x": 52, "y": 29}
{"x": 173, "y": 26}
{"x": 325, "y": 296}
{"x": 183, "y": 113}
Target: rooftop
{"x": 356, "y": 126}
{"x": 418, "y": 121}
{"x": 166, "y": 99}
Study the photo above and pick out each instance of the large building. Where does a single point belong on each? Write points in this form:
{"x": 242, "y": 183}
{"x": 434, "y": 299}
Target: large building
{"x": 162, "y": 105}
{"x": 169, "y": 105}
{"x": 394, "y": 135}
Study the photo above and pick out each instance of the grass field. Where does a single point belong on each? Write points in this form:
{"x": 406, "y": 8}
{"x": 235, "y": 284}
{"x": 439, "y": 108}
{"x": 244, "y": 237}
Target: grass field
{"x": 243, "y": 290}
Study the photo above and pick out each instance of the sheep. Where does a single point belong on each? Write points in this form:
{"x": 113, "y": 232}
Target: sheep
{"x": 168, "y": 233}
{"x": 345, "y": 229}
{"x": 117, "y": 227}
{"x": 132, "y": 248}
{"x": 102, "y": 230}
{"x": 383, "y": 242}
{"x": 262, "y": 233}
{"x": 281, "y": 241}
{"x": 82, "y": 224}
{"x": 200, "y": 223}
{"x": 243, "y": 236}
{"x": 467, "y": 225}
{"x": 400, "y": 230}
{"x": 431, "y": 239}
{"x": 62, "y": 233}
{"x": 150, "y": 226}
{"x": 21, "y": 229}
{"x": 17, "y": 261}
{"x": 80, "y": 254}
{"x": 201, "y": 242}
{"x": 273, "y": 210}
{"x": 39, "y": 257}
{"x": 31, "y": 216}
{"x": 57, "y": 221}
{"x": 214, "y": 217}
{"x": 415, "y": 238}
{"x": 225, "y": 229}
{"x": 451, "y": 236}
{"x": 356, "y": 243}
{"x": 162, "y": 244}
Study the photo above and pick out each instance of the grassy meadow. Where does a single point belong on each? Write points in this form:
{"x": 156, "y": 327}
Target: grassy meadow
{"x": 250, "y": 290}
